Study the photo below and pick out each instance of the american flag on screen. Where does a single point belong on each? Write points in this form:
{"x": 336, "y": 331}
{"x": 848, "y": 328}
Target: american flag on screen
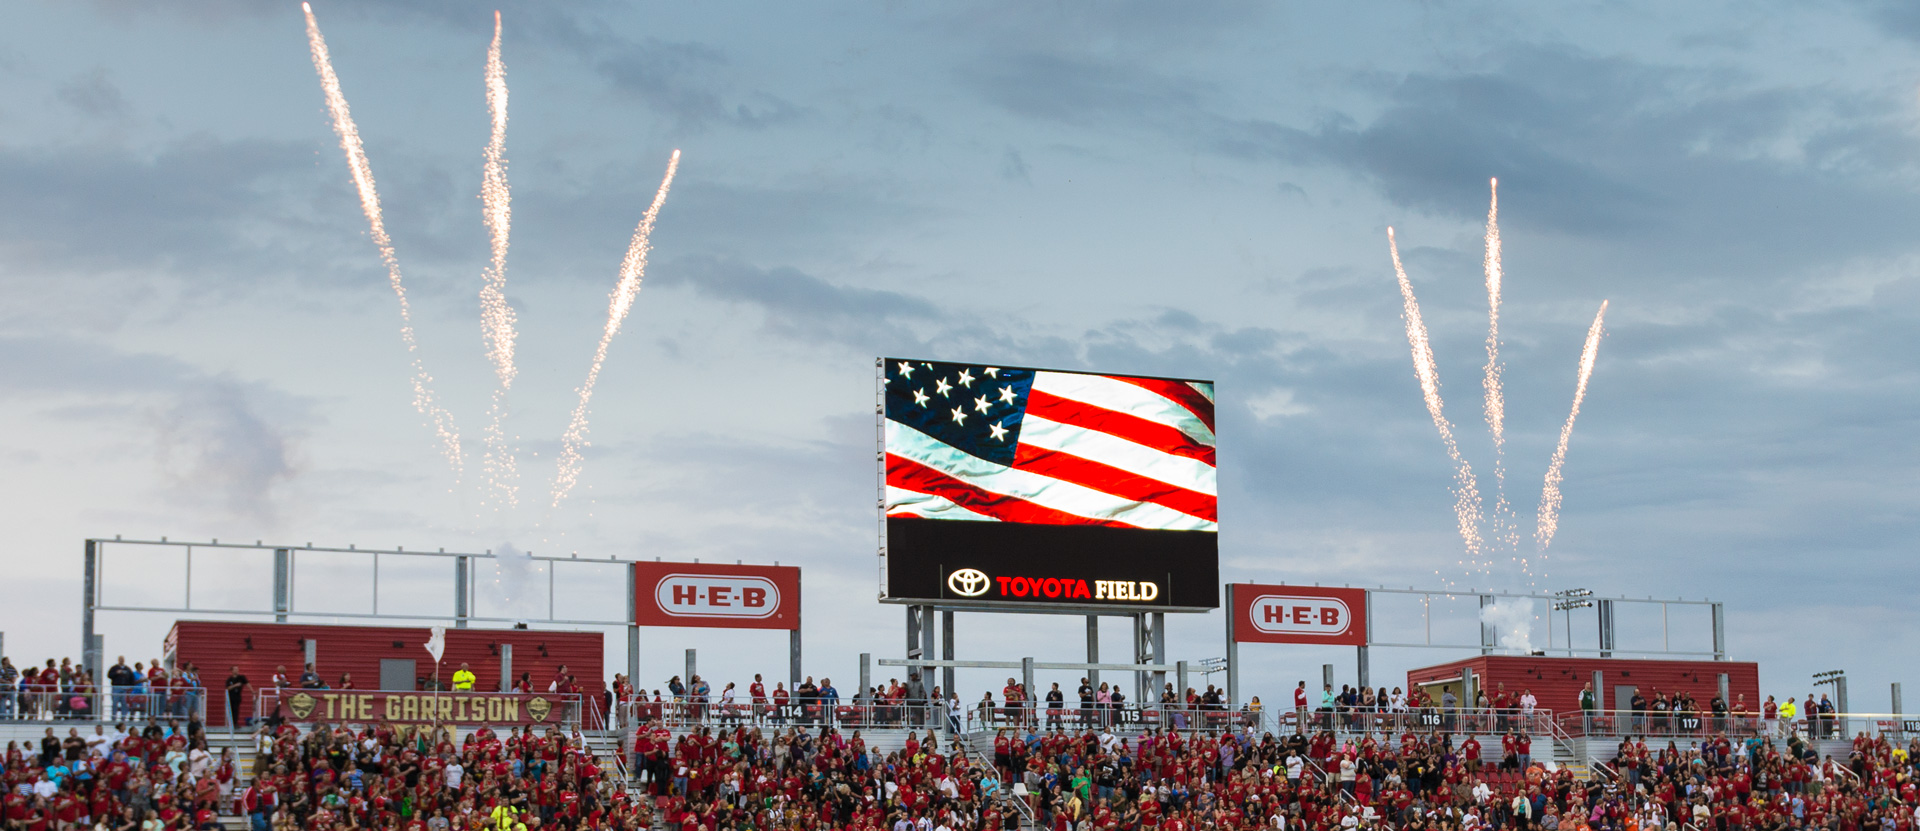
{"x": 985, "y": 443}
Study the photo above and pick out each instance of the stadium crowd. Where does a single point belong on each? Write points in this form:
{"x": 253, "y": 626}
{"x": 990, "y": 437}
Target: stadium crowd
{"x": 701, "y": 761}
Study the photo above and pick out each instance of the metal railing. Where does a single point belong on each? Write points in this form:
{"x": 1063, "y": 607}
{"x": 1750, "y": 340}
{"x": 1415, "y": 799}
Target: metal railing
{"x": 1426, "y": 720}
{"x": 932, "y": 714}
{"x": 1650, "y": 723}
{"x": 50, "y": 702}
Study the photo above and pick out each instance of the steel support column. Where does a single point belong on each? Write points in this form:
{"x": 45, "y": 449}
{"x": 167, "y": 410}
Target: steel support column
{"x": 633, "y": 629}
{"x": 1159, "y": 650}
{"x": 1605, "y": 608}
{"x": 1719, "y": 631}
{"x": 1233, "y": 652}
{"x": 793, "y": 658}
{"x": 506, "y": 668}
{"x": 90, "y": 596}
{"x": 946, "y": 652}
{"x": 1142, "y": 651}
{"x": 1026, "y": 680}
{"x": 282, "y": 584}
{"x": 926, "y": 642}
{"x": 1093, "y": 650}
{"x": 462, "y": 582}
{"x": 1489, "y": 636}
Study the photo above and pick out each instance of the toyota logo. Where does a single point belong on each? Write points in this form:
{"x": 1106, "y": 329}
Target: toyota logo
{"x": 968, "y": 582}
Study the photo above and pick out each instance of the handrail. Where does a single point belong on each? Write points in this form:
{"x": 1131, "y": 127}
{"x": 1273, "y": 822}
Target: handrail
{"x": 687, "y": 712}
{"x": 52, "y": 702}
{"x": 1690, "y": 724}
{"x": 974, "y": 757}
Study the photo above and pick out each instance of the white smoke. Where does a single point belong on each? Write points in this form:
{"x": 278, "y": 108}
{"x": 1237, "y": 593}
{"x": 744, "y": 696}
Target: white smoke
{"x": 1512, "y": 618}
{"x": 515, "y": 586}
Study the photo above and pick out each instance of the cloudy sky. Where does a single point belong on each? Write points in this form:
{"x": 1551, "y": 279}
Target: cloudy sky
{"x": 199, "y": 340}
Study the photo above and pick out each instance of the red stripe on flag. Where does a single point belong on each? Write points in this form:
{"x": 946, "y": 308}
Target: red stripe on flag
{"x": 1108, "y": 479}
{"x": 914, "y": 476}
{"x": 1130, "y": 427}
{"x": 1179, "y": 392}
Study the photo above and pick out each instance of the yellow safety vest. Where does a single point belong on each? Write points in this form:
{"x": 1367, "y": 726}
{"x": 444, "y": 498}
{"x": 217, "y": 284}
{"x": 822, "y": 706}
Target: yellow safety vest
{"x": 463, "y": 680}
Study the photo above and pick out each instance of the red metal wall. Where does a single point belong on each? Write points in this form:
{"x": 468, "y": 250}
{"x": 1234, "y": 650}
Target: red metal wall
{"x": 1557, "y": 682}
{"x": 216, "y": 646}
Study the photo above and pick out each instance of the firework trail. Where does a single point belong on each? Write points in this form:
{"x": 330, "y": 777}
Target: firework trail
{"x": 1549, "y": 520}
{"x": 496, "y": 317}
{"x": 632, "y": 269}
{"x": 423, "y": 397}
{"x": 1503, "y": 529}
{"x": 1466, "y": 492}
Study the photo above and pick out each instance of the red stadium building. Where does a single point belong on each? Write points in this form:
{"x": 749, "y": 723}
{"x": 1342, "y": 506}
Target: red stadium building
{"x": 377, "y": 657}
{"x": 1557, "y": 682}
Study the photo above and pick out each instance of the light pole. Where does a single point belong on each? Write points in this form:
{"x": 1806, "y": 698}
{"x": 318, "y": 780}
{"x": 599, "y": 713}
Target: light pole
{"x": 1836, "y": 678}
{"x": 1567, "y": 601}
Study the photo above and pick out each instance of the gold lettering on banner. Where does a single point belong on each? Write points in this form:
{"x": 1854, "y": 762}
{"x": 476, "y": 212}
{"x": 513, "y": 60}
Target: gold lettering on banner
{"x": 446, "y": 710}
{"x": 410, "y": 708}
{"x": 393, "y": 708}
{"x": 329, "y": 698}
{"x": 493, "y": 709}
{"x": 510, "y": 709}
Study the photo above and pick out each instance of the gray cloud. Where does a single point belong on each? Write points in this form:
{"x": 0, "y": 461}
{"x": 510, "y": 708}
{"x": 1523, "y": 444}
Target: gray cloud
{"x": 93, "y": 94}
{"x": 684, "y": 81}
{"x": 797, "y": 304}
{"x": 215, "y": 448}
{"x": 218, "y": 442}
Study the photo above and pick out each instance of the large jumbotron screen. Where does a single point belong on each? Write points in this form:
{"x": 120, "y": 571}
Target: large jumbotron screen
{"x": 1016, "y": 486}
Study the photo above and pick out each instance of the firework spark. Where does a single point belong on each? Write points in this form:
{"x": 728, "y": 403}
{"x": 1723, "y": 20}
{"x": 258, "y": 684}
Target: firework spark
{"x": 1549, "y": 520}
{"x": 496, "y": 316}
{"x": 423, "y": 396}
{"x": 1503, "y": 528}
{"x": 632, "y": 269}
{"x": 1466, "y": 491}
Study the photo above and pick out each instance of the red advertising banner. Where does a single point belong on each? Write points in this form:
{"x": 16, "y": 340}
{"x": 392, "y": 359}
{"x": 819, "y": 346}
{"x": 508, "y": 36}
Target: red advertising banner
{"x": 1298, "y": 614}
{"x": 419, "y": 707}
{"x": 716, "y": 596}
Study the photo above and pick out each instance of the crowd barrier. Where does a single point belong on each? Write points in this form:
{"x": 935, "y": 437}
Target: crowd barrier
{"x": 1681, "y": 725}
{"x": 1425, "y": 720}
{"x": 49, "y": 702}
{"x": 927, "y": 714}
